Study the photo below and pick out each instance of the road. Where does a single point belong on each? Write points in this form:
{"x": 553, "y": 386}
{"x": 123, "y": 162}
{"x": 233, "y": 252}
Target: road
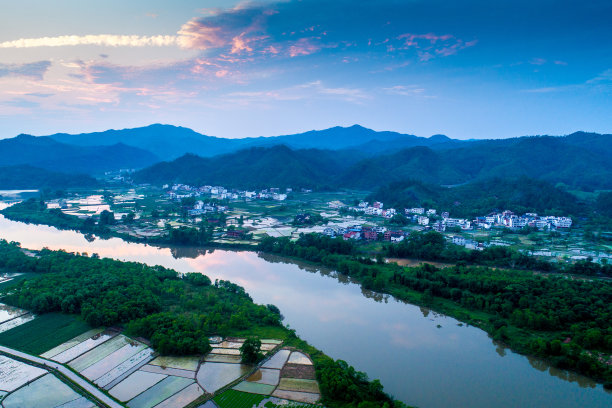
{"x": 67, "y": 373}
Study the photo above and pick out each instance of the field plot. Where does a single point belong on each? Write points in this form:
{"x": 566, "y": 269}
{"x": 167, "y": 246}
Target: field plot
{"x": 230, "y": 351}
{"x": 10, "y": 312}
{"x": 222, "y": 358}
{"x": 265, "y": 376}
{"x": 135, "y": 384}
{"x": 297, "y": 396}
{"x": 237, "y": 399}
{"x": 17, "y": 321}
{"x": 213, "y": 376}
{"x": 46, "y": 392}
{"x": 122, "y": 369}
{"x": 71, "y": 343}
{"x": 296, "y": 384}
{"x": 160, "y": 392}
{"x": 184, "y": 363}
{"x": 83, "y": 347}
{"x": 254, "y": 388}
{"x": 277, "y": 360}
{"x": 168, "y": 371}
{"x": 98, "y": 353}
{"x": 14, "y": 374}
{"x": 299, "y": 358}
{"x": 288, "y": 375}
{"x": 95, "y": 371}
{"x": 43, "y": 333}
{"x": 182, "y": 398}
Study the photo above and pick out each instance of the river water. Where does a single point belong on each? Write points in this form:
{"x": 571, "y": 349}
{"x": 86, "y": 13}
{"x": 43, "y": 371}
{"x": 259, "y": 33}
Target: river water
{"x": 400, "y": 344}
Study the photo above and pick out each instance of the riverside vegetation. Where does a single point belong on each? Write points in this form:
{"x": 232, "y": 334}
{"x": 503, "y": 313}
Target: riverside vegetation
{"x": 561, "y": 318}
{"x": 176, "y": 312}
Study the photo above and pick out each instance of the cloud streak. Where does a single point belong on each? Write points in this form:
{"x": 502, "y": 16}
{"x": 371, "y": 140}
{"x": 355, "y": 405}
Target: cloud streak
{"x": 108, "y": 40}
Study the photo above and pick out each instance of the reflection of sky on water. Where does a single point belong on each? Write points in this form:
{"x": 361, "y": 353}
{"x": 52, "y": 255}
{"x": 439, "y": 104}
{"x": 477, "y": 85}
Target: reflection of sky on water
{"x": 396, "y": 342}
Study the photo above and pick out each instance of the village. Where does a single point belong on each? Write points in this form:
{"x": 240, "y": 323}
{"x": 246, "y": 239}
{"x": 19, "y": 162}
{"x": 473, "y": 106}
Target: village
{"x": 244, "y": 217}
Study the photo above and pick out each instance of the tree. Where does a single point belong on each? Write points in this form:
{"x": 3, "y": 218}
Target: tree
{"x": 251, "y": 350}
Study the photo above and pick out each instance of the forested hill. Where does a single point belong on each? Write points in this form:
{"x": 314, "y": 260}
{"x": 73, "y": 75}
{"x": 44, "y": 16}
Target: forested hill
{"x": 565, "y": 160}
{"x": 481, "y": 197}
{"x": 44, "y": 152}
{"x": 28, "y": 177}
{"x": 258, "y": 167}
{"x": 551, "y": 159}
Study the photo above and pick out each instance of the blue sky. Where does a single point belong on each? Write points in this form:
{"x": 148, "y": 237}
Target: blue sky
{"x": 467, "y": 69}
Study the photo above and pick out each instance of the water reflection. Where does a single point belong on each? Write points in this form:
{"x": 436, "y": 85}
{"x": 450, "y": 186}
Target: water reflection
{"x": 397, "y": 342}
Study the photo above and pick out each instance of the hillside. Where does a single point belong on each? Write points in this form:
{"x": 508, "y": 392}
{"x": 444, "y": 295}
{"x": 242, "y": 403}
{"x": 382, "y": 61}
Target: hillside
{"x": 27, "y": 177}
{"x": 44, "y": 152}
{"x": 554, "y": 159}
{"x": 276, "y": 166}
{"x": 481, "y": 197}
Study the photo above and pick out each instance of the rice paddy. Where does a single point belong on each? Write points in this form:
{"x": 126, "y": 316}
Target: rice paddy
{"x": 43, "y": 333}
{"x": 213, "y": 376}
{"x": 287, "y": 378}
{"x": 184, "y": 363}
{"x": 295, "y": 384}
{"x": 135, "y": 384}
{"x": 265, "y": 376}
{"x": 82, "y": 347}
{"x": 168, "y": 371}
{"x": 159, "y": 392}
{"x": 299, "y": 358}
{"x": 98, "y": 353}
{"x": 124, "y": 368}
{"x": 45, "y": 392}
{"x": 297, "y": 396}
{"x": 183, "y": 397}
{"x": 278, "y": 360}
{"x": 14, "y": 374}
{"x": 237, "y": 399}
{"x": 254, "y": 388}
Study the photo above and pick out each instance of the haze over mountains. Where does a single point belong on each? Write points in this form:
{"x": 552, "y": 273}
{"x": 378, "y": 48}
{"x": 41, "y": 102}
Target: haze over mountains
{"x": 339, "y": 157}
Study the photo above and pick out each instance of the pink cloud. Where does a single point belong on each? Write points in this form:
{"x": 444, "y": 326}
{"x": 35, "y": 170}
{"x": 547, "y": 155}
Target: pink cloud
{"x": 303, "y": 46}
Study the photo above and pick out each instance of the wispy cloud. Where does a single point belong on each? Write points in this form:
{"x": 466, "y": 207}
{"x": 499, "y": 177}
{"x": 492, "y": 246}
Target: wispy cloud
{"x": 34, "y": 70}
{"x": 308, "y": 90}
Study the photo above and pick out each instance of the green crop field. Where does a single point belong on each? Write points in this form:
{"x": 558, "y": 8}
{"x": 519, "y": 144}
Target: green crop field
{"x": 43, "y": 333}
{"x": 237, "y": 399}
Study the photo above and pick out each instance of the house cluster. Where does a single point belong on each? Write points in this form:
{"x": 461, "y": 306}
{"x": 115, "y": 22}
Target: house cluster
{"x": 508, "y": 219}
{"x": 360, "y": 232}
{"x": 377, "y": 208}
{"x": 201, "y": 208}
{"x": 179, "y": 191}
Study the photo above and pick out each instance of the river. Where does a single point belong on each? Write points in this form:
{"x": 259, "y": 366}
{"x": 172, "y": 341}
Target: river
{"x": 400, "y": 344}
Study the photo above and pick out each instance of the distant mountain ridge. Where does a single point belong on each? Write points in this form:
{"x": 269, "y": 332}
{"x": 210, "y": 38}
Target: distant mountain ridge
{"x": 170, "y": 142}
{"x": 46, "y": 153}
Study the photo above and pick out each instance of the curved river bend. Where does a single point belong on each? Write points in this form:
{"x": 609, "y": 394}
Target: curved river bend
{"x": 417, "y": 362}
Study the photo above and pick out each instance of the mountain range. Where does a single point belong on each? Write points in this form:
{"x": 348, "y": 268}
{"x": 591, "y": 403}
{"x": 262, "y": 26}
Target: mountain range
{"x": 346, "y": 157}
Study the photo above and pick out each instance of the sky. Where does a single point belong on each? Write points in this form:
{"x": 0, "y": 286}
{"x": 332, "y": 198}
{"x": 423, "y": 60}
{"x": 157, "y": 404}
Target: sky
{"x": 466, "y": 69}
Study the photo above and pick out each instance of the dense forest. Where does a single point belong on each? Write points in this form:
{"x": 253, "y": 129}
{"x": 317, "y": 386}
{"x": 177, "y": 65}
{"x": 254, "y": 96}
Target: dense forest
{"x": 565, "y": 320}
{"x": 479, "y": 198}
{"x": 24, "y": 177}
{"x": 176, "y": 312}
